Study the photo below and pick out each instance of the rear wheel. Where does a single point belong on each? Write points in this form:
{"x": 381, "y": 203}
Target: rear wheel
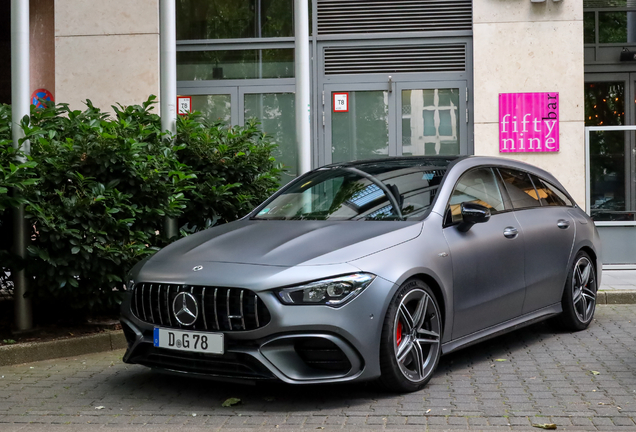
{"x": 579, "y": 295}
{"x": 411, "y": 338}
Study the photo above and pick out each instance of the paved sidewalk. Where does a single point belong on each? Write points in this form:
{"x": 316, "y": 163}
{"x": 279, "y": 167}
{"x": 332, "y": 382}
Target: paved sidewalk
{"x": 618, "y": 280}
{"x": 579, "y": 381}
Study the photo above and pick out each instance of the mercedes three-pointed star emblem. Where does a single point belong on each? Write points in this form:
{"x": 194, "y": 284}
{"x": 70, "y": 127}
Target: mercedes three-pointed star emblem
{"x": 185, "y": 308}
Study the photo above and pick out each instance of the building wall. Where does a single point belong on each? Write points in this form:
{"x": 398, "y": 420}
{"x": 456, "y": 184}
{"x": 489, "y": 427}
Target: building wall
{"x": 520, "y": 46}
{"x": 106, "y": 51}
{"x": 42, "y": 45}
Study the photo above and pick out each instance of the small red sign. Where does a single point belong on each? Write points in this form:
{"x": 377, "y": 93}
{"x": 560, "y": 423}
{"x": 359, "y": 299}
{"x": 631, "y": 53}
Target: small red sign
{"x": 341, "y": 102}
{"x": 184, "y": 105}
{"x": 43, "y": 94}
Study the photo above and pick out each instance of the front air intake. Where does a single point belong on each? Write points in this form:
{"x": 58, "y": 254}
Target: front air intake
{"x": 319, "y": 353}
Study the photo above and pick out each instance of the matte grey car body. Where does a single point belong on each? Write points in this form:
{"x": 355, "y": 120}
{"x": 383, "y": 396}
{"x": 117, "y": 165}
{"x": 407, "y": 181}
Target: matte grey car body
{"x": 508, "y": 269}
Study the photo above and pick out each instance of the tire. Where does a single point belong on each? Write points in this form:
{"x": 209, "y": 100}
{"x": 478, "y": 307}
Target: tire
{"x": 579, "y": 294}
{"x": 411, "y": 340}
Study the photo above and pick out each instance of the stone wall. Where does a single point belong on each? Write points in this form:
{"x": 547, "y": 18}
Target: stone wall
{"x": 106, "y": 51}
{"x": 520, "y": 46}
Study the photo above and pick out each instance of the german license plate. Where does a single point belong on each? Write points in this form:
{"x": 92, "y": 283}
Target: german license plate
{"x": 211, "y": 343}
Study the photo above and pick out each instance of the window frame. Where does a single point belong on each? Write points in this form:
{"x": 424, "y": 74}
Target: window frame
{"x": 529, "y": 175}
{"x": 505, "y": 199}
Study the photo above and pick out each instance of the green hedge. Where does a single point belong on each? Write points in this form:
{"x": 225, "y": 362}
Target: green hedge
{"x": 16, "y": 175}
{"x": 107, "y": 182}
{"x": 234, "y": 167}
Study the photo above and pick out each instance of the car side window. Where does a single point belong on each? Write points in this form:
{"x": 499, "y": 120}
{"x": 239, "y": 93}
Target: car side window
{"x": 477, "y": 186}
{"x": 520, "y": 189}
{"x": 549, "y": 194}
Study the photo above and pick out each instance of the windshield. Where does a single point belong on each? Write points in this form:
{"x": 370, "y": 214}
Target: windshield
{"x": 388, "y": 190}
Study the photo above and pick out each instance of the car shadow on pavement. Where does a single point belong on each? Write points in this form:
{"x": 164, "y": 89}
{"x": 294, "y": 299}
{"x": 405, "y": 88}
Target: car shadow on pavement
{"x": 183, "y": 394}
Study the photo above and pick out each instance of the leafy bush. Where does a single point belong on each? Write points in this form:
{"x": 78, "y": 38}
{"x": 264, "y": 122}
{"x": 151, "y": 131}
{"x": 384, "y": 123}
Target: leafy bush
{"x": 106, "y": 186}
{"x": 16, "y": 175}
{"x": 107, "y": 183}
{"x": 234, "y": 167}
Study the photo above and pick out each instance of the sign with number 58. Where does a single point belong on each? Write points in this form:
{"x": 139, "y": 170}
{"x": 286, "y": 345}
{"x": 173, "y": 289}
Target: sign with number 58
{"x": 341, "y": 102}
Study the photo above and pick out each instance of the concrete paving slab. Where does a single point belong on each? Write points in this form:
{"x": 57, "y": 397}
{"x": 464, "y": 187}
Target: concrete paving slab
{"x": 579, "y": 381}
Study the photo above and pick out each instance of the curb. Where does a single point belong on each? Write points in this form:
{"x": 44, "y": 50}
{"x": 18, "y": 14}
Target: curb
{"x": 37, "y": 351}
{"x": 615, "y": 297}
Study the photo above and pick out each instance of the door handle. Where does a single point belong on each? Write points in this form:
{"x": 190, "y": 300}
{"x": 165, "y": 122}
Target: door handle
{"x": 563, "y": 224}
{"x": 510, "y": 232}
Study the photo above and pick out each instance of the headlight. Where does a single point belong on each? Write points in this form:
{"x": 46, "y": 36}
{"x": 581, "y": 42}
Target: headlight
{"x": 333, "y": 292}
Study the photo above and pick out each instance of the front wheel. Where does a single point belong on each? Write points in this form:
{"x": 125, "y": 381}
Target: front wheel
{"x": 579, "y": 295}
{"x": 411, "y": 342}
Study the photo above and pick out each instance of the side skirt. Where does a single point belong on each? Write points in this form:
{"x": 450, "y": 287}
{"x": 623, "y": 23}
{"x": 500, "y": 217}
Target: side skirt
{"x": 504, "y": 327}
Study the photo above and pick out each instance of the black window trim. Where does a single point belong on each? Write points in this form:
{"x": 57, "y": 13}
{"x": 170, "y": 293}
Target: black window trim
{"x": 502, "y": 191}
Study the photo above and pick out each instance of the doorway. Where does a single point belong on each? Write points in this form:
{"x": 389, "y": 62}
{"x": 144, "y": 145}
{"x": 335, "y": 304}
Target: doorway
{"x": 610, "y": 116}
{"x": 388, "y": 118}
{"x": 273, "y": 106}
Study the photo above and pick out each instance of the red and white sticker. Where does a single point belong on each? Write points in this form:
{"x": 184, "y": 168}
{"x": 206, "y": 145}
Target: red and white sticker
{"x": 184, "y": 105}
{"x": 341, "y": 102}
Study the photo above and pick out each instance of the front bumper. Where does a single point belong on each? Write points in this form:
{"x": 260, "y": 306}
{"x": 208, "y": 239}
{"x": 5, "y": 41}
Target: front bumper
{"x": 300, "y": 344}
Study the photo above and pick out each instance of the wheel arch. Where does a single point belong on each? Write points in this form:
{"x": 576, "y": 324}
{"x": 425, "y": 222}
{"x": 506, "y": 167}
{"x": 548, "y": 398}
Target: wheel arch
{"x": 437, "y": 290}
{"x": 591, "y": 253}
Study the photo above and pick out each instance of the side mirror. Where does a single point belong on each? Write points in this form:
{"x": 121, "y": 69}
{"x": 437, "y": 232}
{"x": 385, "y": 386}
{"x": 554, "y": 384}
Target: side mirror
{"x": 471, "y": 214}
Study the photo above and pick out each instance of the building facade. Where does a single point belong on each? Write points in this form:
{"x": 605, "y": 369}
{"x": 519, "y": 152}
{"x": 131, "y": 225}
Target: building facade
{"x": 388, "y": 77}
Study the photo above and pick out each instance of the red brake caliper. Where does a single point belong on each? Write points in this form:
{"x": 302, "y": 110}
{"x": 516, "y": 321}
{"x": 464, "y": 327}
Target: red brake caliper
{"x": 398, "y": 333}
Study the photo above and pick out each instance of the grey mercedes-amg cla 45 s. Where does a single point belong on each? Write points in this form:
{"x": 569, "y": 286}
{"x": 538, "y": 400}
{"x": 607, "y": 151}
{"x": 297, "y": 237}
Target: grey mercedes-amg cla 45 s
{"x": 367, "y": 270}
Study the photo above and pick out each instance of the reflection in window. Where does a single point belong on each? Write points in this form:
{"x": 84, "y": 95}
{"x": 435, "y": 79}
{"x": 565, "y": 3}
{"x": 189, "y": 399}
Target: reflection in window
{"x": 363, "y": 132}
{"x": 342, "y": 194}
{"x": 617, "y": 27}
{"x": 430, "y": 122}
{"x": 277, "y": 115}
{"x": 214, "y": 107}
{"x": 589, "y": 30}
{"x": 605, "y": 103}
{"x": 520, "y": 189}
{"x": 607, "y": 175}
{"x": 478, "y": 186}
{"x": 549, "y": 195}
{"x": 234, "y": 19}
{"x": 235, "y": 64}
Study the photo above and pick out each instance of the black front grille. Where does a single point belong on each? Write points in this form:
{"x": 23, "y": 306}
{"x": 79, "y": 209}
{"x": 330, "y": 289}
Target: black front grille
{"x": 322, "y": 354}
{"x": 234, "y": 365}
{"x": 220, "y": 309}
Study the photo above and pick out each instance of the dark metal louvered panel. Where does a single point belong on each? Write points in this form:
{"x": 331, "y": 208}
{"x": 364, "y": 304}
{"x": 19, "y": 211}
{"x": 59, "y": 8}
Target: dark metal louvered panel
{"x": 382, "y": 16}
{"x": 219, "y": 309}
{"x": 410, "y": 58}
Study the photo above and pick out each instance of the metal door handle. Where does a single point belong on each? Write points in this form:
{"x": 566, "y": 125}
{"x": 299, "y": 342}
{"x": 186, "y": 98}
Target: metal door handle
{"x": 510, "y": 232}
{"x": 563, "y": 224}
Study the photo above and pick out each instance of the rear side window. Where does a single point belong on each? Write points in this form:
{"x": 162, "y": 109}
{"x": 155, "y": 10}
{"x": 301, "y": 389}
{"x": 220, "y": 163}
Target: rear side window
{"x": 549, "y": 194}
{"x": 520, "y": 189}
{"x": 477, "y": 186}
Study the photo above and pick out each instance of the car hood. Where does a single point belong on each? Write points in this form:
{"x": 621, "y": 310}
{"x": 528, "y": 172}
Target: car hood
{"x": 289, "y": 243}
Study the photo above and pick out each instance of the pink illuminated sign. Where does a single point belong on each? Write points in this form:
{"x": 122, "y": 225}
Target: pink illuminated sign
{"x": 528, "y": 122}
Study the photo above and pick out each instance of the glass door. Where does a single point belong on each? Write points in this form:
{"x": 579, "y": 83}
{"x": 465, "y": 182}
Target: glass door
{"x": 216, "y": 104}
{"x": 372, "y": 120}
{"x": 608, "y": 102}
{"x": 432, "y": 119}
{"x": 610, "y": 99}
{"x": 356, "y": 122}
{"x": 274, "y": 108}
